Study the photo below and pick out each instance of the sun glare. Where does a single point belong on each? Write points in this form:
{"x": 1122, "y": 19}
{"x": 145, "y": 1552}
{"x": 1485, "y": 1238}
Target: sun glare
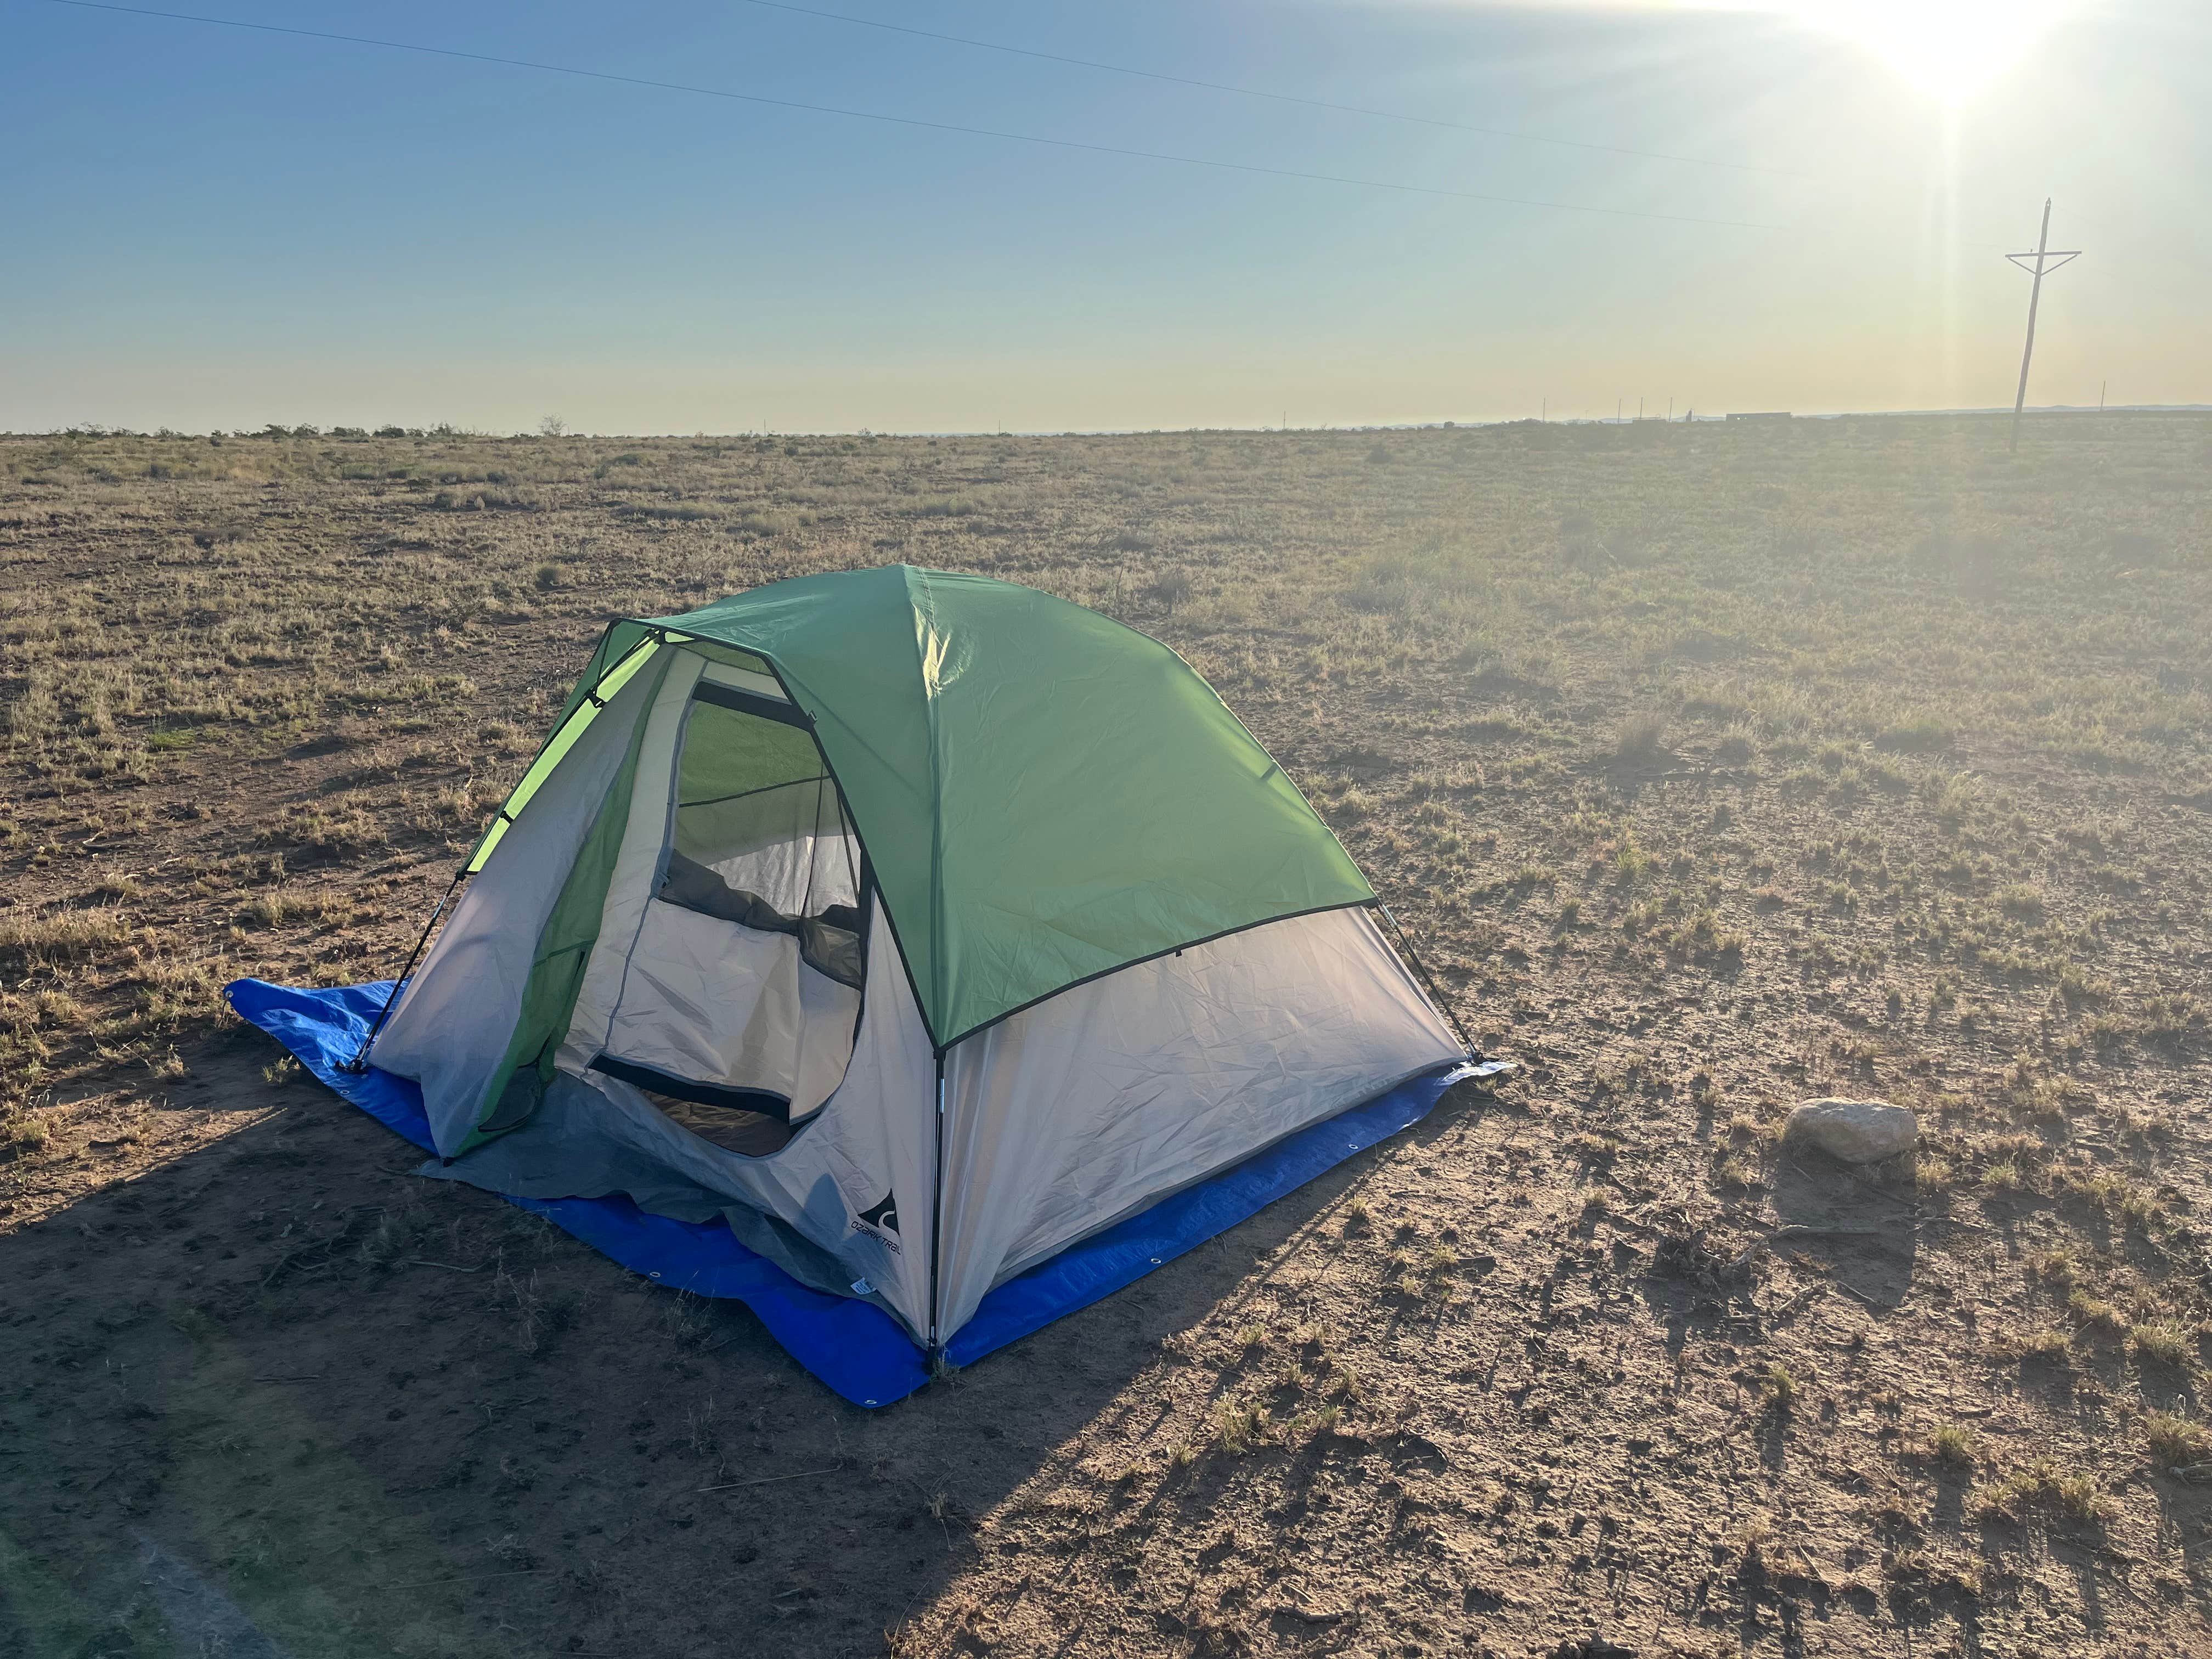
{"x": 1949, "y": 49}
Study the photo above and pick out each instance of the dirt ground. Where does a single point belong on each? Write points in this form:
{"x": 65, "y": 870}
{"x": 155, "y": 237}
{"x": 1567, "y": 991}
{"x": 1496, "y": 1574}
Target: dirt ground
{"x": 1717, "y": 767}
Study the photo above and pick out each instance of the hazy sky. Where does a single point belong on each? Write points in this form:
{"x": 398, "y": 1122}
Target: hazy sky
{"x": 206, "y": 226}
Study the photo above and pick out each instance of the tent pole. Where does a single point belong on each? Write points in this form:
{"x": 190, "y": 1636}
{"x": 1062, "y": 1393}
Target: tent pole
{"x": 1444, "y": 1003}
{"x": 360, "y": 1061}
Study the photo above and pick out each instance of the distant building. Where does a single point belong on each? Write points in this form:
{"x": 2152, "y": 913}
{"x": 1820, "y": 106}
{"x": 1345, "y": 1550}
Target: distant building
{"x": 1763, "y": 415}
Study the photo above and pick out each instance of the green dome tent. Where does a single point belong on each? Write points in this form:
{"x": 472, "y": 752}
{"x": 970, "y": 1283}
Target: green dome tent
{"x": 921, "y": 925}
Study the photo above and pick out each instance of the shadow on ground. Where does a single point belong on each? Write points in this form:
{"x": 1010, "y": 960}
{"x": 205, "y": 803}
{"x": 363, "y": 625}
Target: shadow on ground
{"x": 282, "y": 1392}
{"x": 1867, "y": 1237}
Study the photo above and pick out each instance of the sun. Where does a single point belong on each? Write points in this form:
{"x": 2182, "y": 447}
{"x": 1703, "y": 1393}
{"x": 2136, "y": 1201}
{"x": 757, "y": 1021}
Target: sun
{"x": 1948, "y": 49}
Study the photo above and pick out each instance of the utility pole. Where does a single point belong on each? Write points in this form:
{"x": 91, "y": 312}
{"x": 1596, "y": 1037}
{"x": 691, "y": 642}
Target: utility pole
{"x": 2044, "y": 253}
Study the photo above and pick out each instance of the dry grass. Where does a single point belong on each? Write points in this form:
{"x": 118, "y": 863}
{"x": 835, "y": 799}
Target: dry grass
{"x": 1714, "y": 768}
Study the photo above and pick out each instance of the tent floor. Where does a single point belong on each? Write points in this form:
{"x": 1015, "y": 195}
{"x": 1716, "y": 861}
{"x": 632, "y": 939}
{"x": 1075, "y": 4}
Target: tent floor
{"x": 749, "y": 1134}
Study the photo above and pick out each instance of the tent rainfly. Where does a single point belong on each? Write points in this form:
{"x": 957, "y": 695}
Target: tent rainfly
{"x": 919, "y": 926}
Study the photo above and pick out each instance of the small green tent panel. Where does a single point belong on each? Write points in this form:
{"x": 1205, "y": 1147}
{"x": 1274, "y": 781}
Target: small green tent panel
{"x": 729, "y": 754}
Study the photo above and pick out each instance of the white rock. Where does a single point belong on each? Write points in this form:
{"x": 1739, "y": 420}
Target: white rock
{"x": 1854, "y": 1131}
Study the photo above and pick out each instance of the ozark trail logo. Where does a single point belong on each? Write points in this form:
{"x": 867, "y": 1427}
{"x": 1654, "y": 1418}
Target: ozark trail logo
{"x": 881, "y": 1219}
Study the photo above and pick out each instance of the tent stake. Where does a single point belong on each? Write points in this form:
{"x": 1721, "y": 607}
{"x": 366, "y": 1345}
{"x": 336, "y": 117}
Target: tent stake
{"x": 1442, "y": 1002}
{"x": 359, "y": 1063}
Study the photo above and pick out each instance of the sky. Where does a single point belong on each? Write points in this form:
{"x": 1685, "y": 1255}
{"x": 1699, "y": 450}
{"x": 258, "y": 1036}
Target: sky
{"x": 1798, "y": 204}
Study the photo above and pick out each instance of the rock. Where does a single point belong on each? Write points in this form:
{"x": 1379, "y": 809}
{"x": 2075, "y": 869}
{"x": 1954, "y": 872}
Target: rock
{"x": 1854, "y": 1131}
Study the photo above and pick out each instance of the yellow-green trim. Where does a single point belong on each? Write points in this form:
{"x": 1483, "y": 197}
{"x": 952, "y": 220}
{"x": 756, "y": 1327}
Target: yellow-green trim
{"x": 557, "y": 746}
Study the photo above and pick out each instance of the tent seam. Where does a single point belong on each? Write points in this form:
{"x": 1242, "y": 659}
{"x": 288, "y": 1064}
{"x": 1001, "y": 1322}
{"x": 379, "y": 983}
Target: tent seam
{"x": 923, "y": 601}
{"x": 978, "y": 1028}
{"x": 925, "y": 611}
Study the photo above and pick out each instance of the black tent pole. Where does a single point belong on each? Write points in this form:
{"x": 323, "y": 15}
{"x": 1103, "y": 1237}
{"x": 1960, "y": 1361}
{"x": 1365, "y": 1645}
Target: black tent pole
{"x": 360, "y": 1060}
{"x": 1444, "y": 1005}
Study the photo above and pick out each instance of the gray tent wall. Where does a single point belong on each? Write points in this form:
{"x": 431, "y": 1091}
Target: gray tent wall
{"x": 450, "y": 1028}
{"x": 1107, "y": 1097}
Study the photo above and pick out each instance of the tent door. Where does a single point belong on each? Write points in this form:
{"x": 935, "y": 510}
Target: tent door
{"x": 741, "y": 995}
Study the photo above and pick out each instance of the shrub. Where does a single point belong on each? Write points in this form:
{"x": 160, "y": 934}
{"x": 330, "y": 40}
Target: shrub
{"x": 2042, "y": 1486}
{"x": 1171, "y": 589}
{"x": 2161, "y": 1342}
{"x": 1954, "y": 1443}
{"x": 1640, "y": 736}
{"x": 1923, "y": 734}
{"x": 2174, "y": 1440}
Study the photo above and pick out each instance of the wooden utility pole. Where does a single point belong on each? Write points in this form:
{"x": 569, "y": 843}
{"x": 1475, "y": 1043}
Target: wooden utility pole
{"x": 2043, "y": 252}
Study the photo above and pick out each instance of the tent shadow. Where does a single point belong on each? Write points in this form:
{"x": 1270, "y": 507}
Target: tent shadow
{"x": 347, "y": 1397}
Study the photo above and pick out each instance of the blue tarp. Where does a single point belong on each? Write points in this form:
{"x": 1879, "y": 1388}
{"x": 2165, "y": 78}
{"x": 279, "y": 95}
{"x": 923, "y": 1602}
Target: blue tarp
{"x": 855, "y": 1347}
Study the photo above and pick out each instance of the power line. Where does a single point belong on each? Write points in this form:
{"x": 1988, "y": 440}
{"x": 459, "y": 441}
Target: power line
{"x": 908, "y": 120}
{"x": 1829, "y": 178}
{"x": 1272, "y": 97}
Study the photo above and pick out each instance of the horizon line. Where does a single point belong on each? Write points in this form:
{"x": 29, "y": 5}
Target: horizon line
{"x": 343, "y": 433}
